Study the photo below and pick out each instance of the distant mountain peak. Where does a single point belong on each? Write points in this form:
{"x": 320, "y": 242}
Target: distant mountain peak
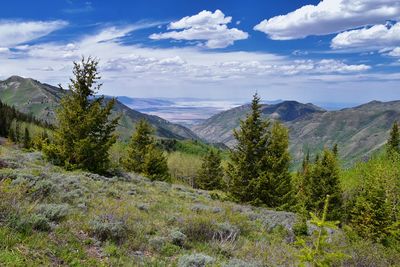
{"x": 15, "y": 78}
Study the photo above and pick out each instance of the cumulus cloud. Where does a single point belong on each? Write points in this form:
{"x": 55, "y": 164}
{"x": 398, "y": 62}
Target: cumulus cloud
{"x": 372, "y": 38}
{"x": 135, "y": 70}
{"x": 18, "y": 32}
{"x": 205, "y": 26}
{"x": 395, "y": 52}
{"x": 329, "y": 16}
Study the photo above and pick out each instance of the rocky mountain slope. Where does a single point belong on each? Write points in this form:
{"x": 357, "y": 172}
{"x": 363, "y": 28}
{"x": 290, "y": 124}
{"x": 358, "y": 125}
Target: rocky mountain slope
{"x": 41, "y": 100}
{"x": 358, "y": 131}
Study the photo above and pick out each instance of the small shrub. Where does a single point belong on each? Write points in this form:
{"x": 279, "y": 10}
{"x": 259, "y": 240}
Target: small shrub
{"x": 25, "y": 223}
{"x": 73, "y": 196}
{"x": 195, "y": 260}
{"x": 53, "y": 212}
{"x": 43, "y": 189}
{"x": 107, "y": 227}
{"x": 200, "y": 208}
{"x": 157, "y": 243}
{"x": 170, "y": 250}
{"x": 225, "y": 232}
{"x": 177, "y": 238}
{"x": 199, "y": 228}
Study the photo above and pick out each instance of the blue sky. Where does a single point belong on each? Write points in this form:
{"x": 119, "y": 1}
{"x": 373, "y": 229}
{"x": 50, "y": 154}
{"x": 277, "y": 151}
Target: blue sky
{"x": 312, "y": 51}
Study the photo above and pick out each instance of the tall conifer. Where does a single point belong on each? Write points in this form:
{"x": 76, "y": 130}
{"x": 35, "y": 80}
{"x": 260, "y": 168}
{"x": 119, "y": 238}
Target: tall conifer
{"x": 211, "y": 173}
{"x": 144, "y": 156}
{"x": 325, "y": 181}
{"x": 246, "y": 158}
{"x": 85, "y": 131}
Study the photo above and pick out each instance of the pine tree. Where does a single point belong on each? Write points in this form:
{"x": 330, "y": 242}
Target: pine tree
{"x": 27, "y": 138}
{"x": 155, "y": 164}
{"x": 140, "y": 141}
{"x": 274, "y": 185}
{"x": 210, "y": 175}
{"x": 246, "y": 159}
{"x": 11, "y": 134}
{"x": 301, "y": 186}
{"x": 325, "y": 181}
{"x": 85, "y": 132}
{"x": 335, "y": 150}
{"x": 144, "y": 156}
{"x": 17, "y": 132}
{"x": 259, "y": 165}
{"x": 393, "y": 144}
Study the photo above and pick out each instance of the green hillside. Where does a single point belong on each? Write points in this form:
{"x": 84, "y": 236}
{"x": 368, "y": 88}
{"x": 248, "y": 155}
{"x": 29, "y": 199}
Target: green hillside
{"x": 41, "y": 100}
{"x": 358, "y": 131}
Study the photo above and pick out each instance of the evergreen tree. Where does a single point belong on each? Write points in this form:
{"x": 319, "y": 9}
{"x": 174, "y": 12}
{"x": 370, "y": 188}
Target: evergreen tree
{"x": 17, "y": 132}
{"x": 274, "y": 185}
{"x": 259, "y": 165}
{"x": 138, "y": 146}
{"x": 84, "y": 133}
{"x": 155, "y": 164}
{"x": 301, "y": 186}
{"x": 210, "y": 175}
{"x": 11, "y": 134}
{"x": 27, "y": 138}
{"x": 247, "y": 158}
{"x": 144, "y": 156}
{"x": 393, "y": 144}
{"x": 325, "y": 181}
{"x": 335, "y": 150}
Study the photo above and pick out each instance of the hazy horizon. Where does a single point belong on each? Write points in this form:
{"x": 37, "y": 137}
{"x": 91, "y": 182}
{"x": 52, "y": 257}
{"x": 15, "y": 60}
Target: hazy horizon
{"x": 304, "y": 50}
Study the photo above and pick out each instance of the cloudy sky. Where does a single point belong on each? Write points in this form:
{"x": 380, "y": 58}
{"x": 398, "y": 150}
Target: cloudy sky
{"x": 343, "y": 51}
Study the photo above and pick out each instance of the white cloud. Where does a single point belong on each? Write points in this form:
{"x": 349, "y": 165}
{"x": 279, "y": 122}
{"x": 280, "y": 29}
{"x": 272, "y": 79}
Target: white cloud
{"x": 329, "y": 16}
{"x": 135, "y": 70}
{"x": 395, "y": 52}
{"x": 17, "y": 32}
{"x": 4, "y": 50}
{"x": 372, "y": 38}
{"x": 205, "y": 26}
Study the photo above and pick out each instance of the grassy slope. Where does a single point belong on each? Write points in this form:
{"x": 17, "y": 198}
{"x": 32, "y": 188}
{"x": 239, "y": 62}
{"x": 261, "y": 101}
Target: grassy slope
{"x": 145, "y": 222}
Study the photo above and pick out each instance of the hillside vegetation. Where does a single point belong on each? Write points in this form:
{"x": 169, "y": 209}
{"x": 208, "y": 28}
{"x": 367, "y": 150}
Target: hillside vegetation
{"x": 51, "y": 217}
{"x": 359, "y": 131}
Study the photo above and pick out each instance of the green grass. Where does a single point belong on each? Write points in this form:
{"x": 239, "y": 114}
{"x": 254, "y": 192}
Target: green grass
{"x": 120, "y": 221}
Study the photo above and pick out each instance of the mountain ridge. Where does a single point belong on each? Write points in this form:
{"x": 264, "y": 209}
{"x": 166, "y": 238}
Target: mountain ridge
{"x": 41, "y": 100}
{"x": 359, "y": 131}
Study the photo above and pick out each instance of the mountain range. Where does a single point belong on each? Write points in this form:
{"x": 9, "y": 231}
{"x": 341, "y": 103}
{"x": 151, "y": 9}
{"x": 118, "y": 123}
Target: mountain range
{"x": 358, "y": 131}
{"x": 41, "y": 100}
